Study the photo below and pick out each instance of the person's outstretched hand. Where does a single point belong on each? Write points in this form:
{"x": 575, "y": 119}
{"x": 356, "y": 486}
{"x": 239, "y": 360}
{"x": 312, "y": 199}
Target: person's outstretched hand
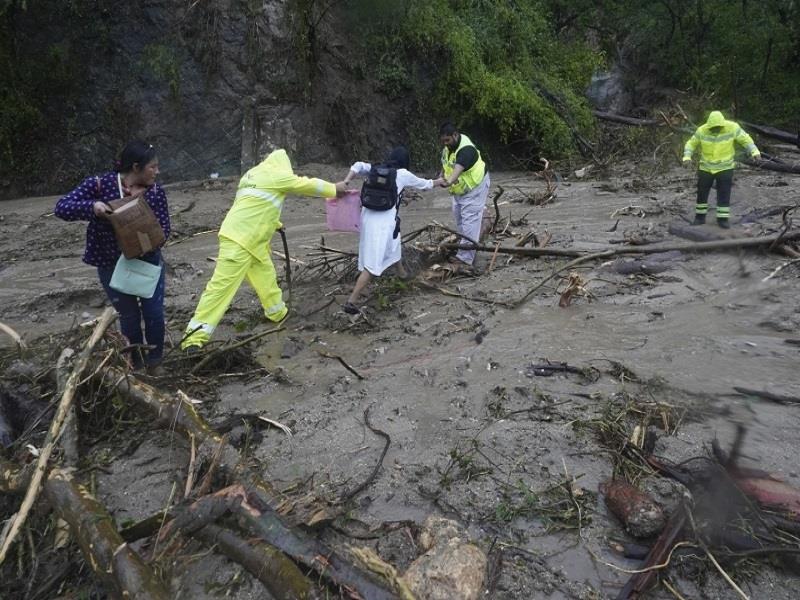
{"x": 341, "y": 189}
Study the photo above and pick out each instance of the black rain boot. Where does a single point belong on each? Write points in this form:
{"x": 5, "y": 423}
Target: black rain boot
{"x": 699, "y": 220}
{"x": 724, "y": 223}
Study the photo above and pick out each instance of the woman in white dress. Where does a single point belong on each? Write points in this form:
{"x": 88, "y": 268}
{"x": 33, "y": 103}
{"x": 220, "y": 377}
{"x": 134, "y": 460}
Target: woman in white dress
{"x": 379, "y": 242}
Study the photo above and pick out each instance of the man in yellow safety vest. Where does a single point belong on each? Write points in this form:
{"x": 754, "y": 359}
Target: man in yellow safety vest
{"x": 465, "y": 174}
{"x": 244, "y": 239}
{"x": 717, "y": 140}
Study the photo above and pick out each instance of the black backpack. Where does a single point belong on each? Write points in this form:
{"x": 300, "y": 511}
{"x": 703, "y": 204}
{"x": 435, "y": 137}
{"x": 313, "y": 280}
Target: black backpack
{"x": 379, "y": 191}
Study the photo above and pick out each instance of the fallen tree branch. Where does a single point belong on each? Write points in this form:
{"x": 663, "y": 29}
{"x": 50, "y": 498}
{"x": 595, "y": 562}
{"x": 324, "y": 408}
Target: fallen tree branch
{"x": 726, "y": 244}
{"x": 571, "y": 264}
{"x": 283, "y": 580}
{"x": 309, "y": 552}
{"x": 512, "y": 250}
{"x": 615, "y": 118}
{"x": 122, "y": 571}
{"x": 203, "y": 511}
{"x": 453, "y": 294}
{"x": 342, "y": 362}
{"x": 640, "y": 582}
{"x": 774, "y": 165}
{"x": 347, "y": 496}
{"x": 175, "y": 413}
{"x": 54, "y": 432}
{"x": 228, "y": 348}
{"x": 13, "y": 335}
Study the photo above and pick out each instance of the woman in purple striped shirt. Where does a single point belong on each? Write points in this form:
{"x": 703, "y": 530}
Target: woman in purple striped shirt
{"x": 136, "y": 172}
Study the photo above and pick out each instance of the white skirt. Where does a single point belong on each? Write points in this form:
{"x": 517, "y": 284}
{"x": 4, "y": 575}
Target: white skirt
{"x": 377, "y": 250}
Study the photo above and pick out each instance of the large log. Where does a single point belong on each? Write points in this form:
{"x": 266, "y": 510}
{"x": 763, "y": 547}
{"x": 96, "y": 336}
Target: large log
{"x": 773, "y": 132}
{"x": 308, "y": 551}
{"x": 283, "y": 580}
{"x": 774, "y": 165}
{"x": 179, "y": 414}
{"x": 122, "y": 571}
{"x": 615, "y": 118}
{"x": 282, "y": 577}
{"x": 727, "y": 244}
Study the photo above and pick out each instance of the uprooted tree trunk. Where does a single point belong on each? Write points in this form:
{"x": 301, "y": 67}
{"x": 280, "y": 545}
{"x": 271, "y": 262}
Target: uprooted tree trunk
{"x": 727, "y": 244}
{"x": 262, "y": 499}
{"x": 121, "y": 570}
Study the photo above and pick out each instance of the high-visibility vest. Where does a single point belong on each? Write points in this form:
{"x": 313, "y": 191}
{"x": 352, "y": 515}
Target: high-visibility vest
{"x": 256, "y": 211}
{"x": 717, "y": 151}
{"x": 470, "y": 178}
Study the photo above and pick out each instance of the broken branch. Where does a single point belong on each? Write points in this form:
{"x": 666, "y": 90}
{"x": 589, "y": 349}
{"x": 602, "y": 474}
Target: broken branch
{"x": 54, "y": 432}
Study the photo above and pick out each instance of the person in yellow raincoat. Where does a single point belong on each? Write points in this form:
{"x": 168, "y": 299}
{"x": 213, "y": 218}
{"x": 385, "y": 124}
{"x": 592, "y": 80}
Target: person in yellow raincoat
{"x": 716, "y": 140}
{"x": 244, "y": 243}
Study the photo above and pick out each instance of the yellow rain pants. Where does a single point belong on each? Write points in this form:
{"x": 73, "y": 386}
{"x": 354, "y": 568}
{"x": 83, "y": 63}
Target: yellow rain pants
{"x": 244, "y": 239}
{"x": 234, "y": 264}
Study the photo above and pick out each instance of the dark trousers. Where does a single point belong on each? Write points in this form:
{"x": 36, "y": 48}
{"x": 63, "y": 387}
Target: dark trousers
{"x": 132, "y": 310}
{"x": 724, "y": 180}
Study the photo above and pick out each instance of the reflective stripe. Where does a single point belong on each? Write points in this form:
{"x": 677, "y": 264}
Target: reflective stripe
{"x": 269, "y": 197}
{"x": 276, "y": 308}
{"x": 716, "y": 166}
{"x": 701, "y": 209}
{"x": 750, "y": 147}
{"x": 715, "y": 138}
{"x": 723, "y": 210}
{"x": 198, "y": 326}
{"x": 724, "y": 161}
{"x": 320, "y": 187}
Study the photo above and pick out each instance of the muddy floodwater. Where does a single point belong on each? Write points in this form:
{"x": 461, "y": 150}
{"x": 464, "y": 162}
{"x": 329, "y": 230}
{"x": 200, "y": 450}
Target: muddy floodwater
{"x": 477, "y": 434}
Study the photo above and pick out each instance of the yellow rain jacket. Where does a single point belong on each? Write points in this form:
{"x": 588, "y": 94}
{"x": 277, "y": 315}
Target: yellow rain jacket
{"x": 244, "y": 244}
{"x": 256, "y": 211}
{"x": 717, "y": 151}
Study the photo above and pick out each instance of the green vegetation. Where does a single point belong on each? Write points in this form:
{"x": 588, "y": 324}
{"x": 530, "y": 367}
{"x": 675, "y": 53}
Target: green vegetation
{"x": 517, "y": 71}
{"x": 486, "y": 63}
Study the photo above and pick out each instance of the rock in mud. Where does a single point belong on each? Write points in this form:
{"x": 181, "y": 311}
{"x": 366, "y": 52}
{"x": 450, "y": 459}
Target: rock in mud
{"x": 639, "y": 513}
{"x": 451, "y": 568}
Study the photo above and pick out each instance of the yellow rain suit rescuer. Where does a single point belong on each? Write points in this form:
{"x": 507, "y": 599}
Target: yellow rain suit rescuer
{"x": 717, "y": 140}
{"x": 244, "y": 243}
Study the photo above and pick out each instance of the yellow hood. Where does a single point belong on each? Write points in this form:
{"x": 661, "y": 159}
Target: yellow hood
{"x": 274, "y": 173}
{"x": 715, "y": 119}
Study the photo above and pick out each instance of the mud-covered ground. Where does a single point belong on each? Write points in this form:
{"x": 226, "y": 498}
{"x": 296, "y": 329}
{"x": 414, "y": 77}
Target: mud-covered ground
{"x": 476, "y": 434}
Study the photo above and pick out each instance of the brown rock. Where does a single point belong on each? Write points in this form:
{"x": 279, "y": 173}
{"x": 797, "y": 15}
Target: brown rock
{"x": 640, "y": 514}
{"x": 450, "y": 569}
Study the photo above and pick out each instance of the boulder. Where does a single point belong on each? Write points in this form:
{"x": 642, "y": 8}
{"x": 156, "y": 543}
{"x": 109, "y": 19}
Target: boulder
{"x": 451, "y": 568}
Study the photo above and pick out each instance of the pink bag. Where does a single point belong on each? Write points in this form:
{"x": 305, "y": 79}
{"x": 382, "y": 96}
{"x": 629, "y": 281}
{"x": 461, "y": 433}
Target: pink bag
{"x": 344, "y": 214}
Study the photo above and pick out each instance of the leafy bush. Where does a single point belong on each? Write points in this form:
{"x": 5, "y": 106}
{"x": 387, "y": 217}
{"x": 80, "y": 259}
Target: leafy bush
{"x": 498, "y": 66}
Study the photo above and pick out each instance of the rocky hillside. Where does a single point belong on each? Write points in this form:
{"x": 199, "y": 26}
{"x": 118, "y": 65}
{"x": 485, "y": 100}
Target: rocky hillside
{"x": 211, "y": 83}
